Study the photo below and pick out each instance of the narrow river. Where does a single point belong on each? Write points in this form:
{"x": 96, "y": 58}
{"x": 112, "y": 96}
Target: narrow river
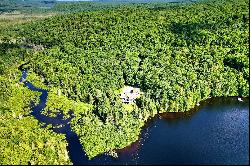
{"x": 216, "y": 132}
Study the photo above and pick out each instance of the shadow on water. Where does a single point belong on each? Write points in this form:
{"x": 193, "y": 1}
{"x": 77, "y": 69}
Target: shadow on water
{"x": 211, "y": 103}
{"x": 74, "y": 147}
{"x": 215, "y": 103}
{"x": 223, "y": 133}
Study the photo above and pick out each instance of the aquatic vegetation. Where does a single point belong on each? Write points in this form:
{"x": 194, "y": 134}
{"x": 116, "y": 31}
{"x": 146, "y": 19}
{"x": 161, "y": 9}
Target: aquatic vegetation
{"x": 22, "y": 139}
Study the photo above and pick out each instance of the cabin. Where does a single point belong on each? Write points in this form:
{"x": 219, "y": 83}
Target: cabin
{"x": 129, "y": 94}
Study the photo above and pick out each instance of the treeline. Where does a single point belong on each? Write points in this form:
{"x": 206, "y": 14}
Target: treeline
{"x": 64, "y": 7}
{"x": 27, "y": 6}
{"x": 165, "y": 52}
{"x": 177, "y": 55}
{"x": 23, "y": 141}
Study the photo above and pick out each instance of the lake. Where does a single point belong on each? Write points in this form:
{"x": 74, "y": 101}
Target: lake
{"x": 215, "y": 132}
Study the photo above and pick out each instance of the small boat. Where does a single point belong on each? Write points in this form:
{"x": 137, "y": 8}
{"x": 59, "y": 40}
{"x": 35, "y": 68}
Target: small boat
{"x": 239, "y": 99}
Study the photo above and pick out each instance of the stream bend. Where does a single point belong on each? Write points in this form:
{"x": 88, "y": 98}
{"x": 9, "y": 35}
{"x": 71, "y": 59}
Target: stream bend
{"x": 76, "y": 153}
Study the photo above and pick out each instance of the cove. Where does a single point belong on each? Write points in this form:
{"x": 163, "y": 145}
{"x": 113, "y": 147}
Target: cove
{"x": 216, "y": 132}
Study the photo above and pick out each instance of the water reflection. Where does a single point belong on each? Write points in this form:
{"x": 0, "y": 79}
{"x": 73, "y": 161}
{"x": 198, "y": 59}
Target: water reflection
{"x": 215, "y": 132}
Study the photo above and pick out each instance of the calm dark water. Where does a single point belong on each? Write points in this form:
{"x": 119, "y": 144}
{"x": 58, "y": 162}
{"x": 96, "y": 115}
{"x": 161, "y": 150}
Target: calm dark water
{"x": 216, "y": 132}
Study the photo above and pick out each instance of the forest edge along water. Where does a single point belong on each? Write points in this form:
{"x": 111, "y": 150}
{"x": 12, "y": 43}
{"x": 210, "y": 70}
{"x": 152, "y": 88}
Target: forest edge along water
{"x": 83, "y": 54}
{"x": 74, "y": 147}
{"x": 127, "y": 154}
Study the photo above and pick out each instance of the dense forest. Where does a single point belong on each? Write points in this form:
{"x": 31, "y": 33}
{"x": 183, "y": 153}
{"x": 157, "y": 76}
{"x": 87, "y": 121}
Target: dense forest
{"x": 25, "y": 5}
{"x": 177, "y": 54}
